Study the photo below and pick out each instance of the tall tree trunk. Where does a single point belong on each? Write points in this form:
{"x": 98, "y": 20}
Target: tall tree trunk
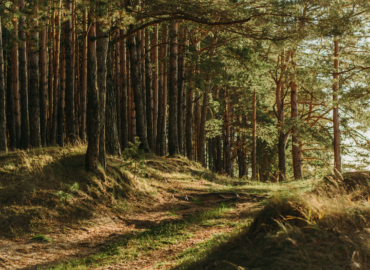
{"x": 118, "y": 86}
{"x": 173, "y": 140}
{"x": 56, "y": 78}
{"x": 124, "y": 101}
{"x": 202, "y": 124}
{"x": 102, "y": 53}
{"x": 84, "y": 77}
{"x": 162, "y": 96}
{"x": 93, "y": 127}
{"x": 62, "y": 88}
{"x": 149, "y": 85}
{"x": 254, "y": 138}
{"x": 69, "y": 90}
{"x": 281, "y": 143}
{"x": 10, "y": 103}
{"x": 50, "y": 81}
{"x": 15, "y": 86}
{"x": 337, "y": 155}
{"x": 227, "y": 159}
{"x": 294, "y": 114}
{"x": 3, "y": 134}
{"x": 138, "y": 94}
{"x": 43, "y": 86}
{"x": 23, "y": 88}
{"x": 112, "y": 141}
{"x": 181, "y": 87}
{"x": 155, "y": 85}
{"x": 34, "y": 92}
{"x": 189, "y": 123}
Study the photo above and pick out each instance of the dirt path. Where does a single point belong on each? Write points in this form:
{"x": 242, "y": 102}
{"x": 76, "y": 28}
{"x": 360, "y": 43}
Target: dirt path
{"x": 78, "y": 242}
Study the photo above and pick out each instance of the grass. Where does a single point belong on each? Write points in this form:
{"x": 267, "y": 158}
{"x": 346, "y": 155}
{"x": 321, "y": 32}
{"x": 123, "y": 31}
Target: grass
{"x": 42, "y": 238}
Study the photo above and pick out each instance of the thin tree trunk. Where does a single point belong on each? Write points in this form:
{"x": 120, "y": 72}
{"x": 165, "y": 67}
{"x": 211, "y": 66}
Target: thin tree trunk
{"x": 62, "y": 88}
{"x": 3, "y": 134}
{"x": 337, "y": 155}
{"x": 10, "y": 103}
{"x": 23, "y": 88}
{"x": 254, "y": 138}
{"x": 227, "y": 159}
{"x": 93, "y": 127}
{"x": 15, "y": 86}
{"x": 161, "y": 131}
{"x": 124, "y": 101}
{"x": 34, "y": 92}
{"x": 295, "y": 135}
{"x": 56, "y": 78}
{"x": 173, "y": 140}
{"x": 281, "y": 143}
{"x": 181, "y": 90}
{"x": 69, "y": 90}
{"x": 43, "y": 86}
{"x": 118, "y": 87}
{"x": 84, "y": 78}
{"x": 50, "y": 81}
{"x": 138, "y": 94}
{"x": 149, "y": 85}
{"x": 102, "y": 53}
{"x": 155, "y": 85}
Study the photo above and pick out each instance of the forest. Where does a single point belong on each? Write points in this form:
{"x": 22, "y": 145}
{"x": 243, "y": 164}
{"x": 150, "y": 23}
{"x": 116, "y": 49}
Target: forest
{"x": 173, "y": 134}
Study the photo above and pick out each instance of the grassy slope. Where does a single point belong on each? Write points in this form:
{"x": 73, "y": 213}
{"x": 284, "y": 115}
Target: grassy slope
{"x": 160, "y": 213}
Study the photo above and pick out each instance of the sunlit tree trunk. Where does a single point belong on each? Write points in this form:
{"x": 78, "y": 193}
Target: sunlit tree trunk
{"x": 155, "y": 85}
{"x": 43, "y": 86}
{"x": 15, "y": 86}
{"x": 62, "y": 88}
{"x": 148, "y": 86}
{"x": 124, "y": 101}
{"x": 337, "y": 155}
{"x": 84, "y": 77}
{"x": 50, "y": 80}
{"x": 181, "y": 89}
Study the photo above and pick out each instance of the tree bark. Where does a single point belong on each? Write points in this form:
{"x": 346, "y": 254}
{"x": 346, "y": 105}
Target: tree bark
{"x": 281, "y": 143}
{"x": 162, "y": 96}
{"x": 56, "y": 79}
{"x": 50, "y": 82}
{"x": 295, "y": 134}
{"x": 189, "y": 123}
{"x": 181, "y": 87}
{"x": 10, "y": 103}
{"x": 124, "y": 101}
{"x": 138, "y": 94}
{"x": 43, "y": 86}
{"x": 102, "y": 53}
{"x": 149, "y": 85}
{"x": 173, "y": 140}
{"x": 84, "y": 78}
{"x": 112, "y": 141}
{"x": 15, "y": 86}
{"x": 23, "y": 88}
{"x": 155, "y": 86}
{"x": 34, "y": 92}
{"x": 254, "y": 138}
{"x": 93, "y": 128}
{"x": 337, "y": 154}
{"x": 69, "y": 90}
{"x": 3, "y": 133}
{"x": 62, "y": 88}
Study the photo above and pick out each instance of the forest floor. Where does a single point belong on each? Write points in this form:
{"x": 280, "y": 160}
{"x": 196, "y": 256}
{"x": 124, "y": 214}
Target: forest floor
{"x": 143, "y": 212}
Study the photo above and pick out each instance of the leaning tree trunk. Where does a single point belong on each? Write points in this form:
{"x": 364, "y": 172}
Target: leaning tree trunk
{"x": 173, "y": 140}
{"x": 337, "y": 155}
{"x": 112, "y": 141}
{"x": 23, "y": 88}
{"x": 69, "y": 90}
{"x": 93, "y": 127}
{"x": 34, "y": 94}
{"x": 138, "y": 94}
{"x": 3, "y": 134}
{"x": 102, "y": 52}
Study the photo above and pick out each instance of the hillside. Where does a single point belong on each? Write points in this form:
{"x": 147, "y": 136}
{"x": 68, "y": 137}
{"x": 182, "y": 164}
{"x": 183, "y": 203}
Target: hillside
{"x": 147, "y": 212}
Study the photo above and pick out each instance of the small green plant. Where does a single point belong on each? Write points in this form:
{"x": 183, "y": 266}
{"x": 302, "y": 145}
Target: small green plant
{"x": 65, "y": 196}
{"x": 173, "y": 212}
{"x": 196, "y": 200}
{"x": 134, "y": 152}
{"x": 42, "y": 238}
